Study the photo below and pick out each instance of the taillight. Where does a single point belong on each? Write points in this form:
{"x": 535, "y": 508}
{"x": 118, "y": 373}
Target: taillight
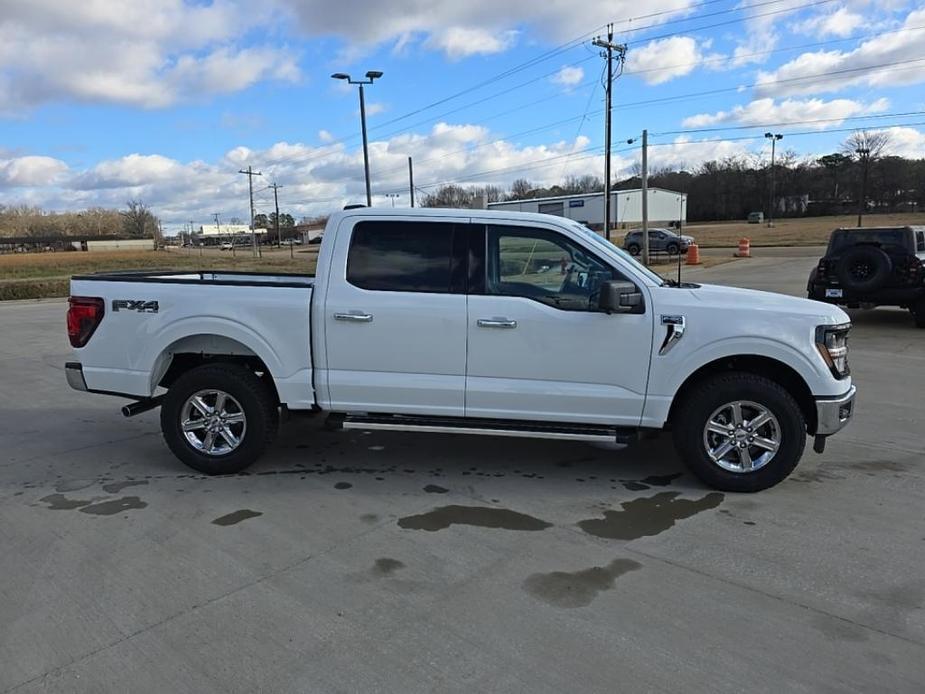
{"x": 822, "y": 269}
{"x": 84, "y": 314}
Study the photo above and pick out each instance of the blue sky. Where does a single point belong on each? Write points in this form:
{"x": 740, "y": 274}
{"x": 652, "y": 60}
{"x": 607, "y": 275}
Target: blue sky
{"x": 164, "y": 100}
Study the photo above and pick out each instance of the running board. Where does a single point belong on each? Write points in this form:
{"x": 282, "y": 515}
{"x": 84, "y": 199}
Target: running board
{"x": 489, "y": 427}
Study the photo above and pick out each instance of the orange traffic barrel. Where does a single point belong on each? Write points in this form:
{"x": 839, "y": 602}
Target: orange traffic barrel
{"x": 693, "y": 254}
{"x": 745, "y": 248}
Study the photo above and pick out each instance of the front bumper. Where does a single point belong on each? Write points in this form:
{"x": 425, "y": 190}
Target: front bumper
{"x": 75, "y": 375}
{"x": 833, "y": 414}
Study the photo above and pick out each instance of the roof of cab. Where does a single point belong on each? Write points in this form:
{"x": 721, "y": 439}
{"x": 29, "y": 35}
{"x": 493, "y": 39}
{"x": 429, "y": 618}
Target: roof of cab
{"x": 437, "y": 212}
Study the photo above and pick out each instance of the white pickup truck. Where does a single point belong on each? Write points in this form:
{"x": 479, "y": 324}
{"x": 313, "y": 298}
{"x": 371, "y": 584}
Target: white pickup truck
{"x": 468, "y": 321}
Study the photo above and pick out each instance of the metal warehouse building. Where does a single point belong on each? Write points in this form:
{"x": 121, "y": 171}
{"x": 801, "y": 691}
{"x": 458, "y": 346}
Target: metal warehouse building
{"x": 665, "y": 206}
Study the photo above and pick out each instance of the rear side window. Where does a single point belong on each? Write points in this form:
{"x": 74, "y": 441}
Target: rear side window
{"x": 919, "y": 241}
{"x": 401, "y": 256}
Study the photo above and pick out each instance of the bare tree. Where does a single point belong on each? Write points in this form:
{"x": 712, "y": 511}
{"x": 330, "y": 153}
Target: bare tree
{"x": 521, "y": 189}
{"x": 871, "y": 141}
{"x": 137, "y": 220}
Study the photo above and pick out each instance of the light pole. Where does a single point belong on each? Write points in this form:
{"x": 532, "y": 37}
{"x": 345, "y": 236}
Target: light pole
{"x": 864, "y": 153}
{"x": 392, "y": 196}
{"x": 773, "y": 137}
{"x": 371, "y": 77}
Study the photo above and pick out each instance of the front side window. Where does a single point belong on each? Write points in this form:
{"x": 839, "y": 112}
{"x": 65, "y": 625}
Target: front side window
{"x": 545, "y": 266}
{"x": 401, "y": 256}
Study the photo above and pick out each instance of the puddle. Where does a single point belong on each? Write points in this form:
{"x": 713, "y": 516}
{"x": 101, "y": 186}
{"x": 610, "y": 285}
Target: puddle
{"x": 578, "y": 588}
{"x": 111, "y": 508}
{"x": 648, "y": 516}
{"x": 59, "y": 502}
{"x": 236, "y": 517}
{"x": 342, "y": 485}
{"x": 634, "y": 486}
{"x": 385, "y": 566}
{"x": 435, "y": 489}
{"x": 115, "y": 487}
{"x": 479, "y": 516}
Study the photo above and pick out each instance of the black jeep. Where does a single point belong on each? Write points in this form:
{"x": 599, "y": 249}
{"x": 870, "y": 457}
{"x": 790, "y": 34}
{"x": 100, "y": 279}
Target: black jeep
{"x": 883, "y": 266}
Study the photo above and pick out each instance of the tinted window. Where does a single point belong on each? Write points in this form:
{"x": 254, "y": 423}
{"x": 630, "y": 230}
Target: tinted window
{"x": 544, "y": 266}
{"x": 401, "y": 256}
{"x": 920, "y": 241}
{"x": 878, "y": 237}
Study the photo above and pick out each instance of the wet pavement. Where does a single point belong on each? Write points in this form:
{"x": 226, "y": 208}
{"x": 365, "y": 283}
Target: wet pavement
{"x": 356, "y": 562}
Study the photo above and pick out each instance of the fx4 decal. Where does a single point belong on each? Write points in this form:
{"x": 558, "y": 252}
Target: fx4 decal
{"x": 130, "y": 305}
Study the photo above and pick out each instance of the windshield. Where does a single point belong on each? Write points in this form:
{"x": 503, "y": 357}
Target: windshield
{"x": 601, "y": 242}
{"x": 881, "y": 237}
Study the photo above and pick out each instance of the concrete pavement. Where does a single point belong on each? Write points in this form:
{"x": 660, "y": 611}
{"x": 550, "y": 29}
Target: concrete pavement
{"x": 351, "y": 562}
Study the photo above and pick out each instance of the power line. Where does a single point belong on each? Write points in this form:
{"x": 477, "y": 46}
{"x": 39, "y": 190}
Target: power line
{"x": 791, "y": 122}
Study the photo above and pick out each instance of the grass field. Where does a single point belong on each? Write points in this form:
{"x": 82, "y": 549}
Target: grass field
{"x": 39, "y": 275}
{"x": 806, "y": 231}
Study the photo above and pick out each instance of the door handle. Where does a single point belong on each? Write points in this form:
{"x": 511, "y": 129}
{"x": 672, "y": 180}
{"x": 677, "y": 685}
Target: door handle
{"x": 354, "y": 317}
{"x": 497, "y": 323}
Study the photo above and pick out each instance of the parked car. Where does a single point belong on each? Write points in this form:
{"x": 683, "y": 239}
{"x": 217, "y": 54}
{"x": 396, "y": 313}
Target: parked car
{"x": 660, "y": 241}
{"x": 869, "y": 267}
{"x": 469, "y": 322}
{"x": 226, "y": 246}
{"x": 315, "y": 239}
{"x": 755, "y": 217}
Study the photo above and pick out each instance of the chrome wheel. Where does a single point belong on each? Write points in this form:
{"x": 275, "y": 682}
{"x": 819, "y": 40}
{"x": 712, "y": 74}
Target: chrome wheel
{"x": 213, "y": 422}
{"x": 742, "y": 436}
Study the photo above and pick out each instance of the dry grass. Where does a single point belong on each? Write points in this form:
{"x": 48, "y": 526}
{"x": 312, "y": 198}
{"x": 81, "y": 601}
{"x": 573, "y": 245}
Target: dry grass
{"x": 39, "y": 275}
{"x": 807, "y": 231}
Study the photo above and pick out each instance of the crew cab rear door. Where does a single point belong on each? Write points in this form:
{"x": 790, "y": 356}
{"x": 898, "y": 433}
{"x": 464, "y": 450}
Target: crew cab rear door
{"x": 395, "y": 316}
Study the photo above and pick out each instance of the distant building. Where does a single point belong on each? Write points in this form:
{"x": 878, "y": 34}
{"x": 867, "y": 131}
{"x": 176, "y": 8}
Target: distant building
{"x": 665, "y": 206}
{"x": 225, "y": 230}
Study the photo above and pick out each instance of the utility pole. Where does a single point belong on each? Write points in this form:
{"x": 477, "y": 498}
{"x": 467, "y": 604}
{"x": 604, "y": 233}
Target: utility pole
{"x": 773, "y": 137}
{"x": 609, "y": 47}
{"x": 279, "y": 237}
{"x": 392, "y": 196}
{"x": 864, "y": 153}
{"x": 250, "y": 173}
{"x": 411, "y": 180}
{"x": 644, "y": 187}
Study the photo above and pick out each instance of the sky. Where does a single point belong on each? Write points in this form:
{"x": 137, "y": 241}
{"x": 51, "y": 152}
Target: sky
{"x": 164, "y": 101}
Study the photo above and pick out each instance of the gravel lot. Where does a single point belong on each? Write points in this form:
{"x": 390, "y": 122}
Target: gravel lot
{"x": 387, "y": 562}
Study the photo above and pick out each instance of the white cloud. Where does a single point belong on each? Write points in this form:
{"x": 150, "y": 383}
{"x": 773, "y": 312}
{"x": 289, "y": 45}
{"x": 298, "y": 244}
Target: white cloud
{"x": 30, "y": 171}
{"x": 374, "y": 108}
{"x": 147, "y": 53}
{"x": 665, "y": 59}
{"x": 569, "y": 76}
{"x": 841, "y": 23}
{"x": 802, "y": 74}
{"x": 462, "y": 42}
{"x": 464, "y": 28}
{"x": 325, "y": 136}
{"x": 767, "y": 110}
{"x": 906, "y": 142}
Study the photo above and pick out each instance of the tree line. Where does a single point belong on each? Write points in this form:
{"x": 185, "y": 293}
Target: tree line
{"x": 135, "y": 221}
{"x": 858, "y": 174}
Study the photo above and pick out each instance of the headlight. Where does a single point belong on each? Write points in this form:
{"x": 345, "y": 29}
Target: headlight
{"x": 832, "y": 343}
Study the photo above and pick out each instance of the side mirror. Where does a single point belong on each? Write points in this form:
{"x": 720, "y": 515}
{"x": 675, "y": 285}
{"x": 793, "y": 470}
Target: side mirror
{"x": 619, "y": 297}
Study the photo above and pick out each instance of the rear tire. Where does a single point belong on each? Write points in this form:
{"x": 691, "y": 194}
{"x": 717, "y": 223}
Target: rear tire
{"x": 633, "y": 249}
{"x": 699, "y": 408}
{"x": 251, "y": 418}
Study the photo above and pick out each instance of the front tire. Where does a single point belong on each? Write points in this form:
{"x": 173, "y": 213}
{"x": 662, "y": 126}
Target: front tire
{"x": 739, "y": 432}
{"x": 673, "y": 249}
{"x": 633, "y": 249}
{"x": 219, "y": 418}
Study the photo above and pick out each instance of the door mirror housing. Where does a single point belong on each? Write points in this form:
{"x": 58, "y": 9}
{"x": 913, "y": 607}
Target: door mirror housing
{"x": 618, "y": 296}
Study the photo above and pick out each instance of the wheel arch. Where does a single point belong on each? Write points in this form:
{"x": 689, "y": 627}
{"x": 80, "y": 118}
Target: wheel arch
{"x": 768, "y": 367}
{"x": 187, "y": 352}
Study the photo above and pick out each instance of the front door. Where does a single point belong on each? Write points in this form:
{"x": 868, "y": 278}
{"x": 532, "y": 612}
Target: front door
{"x": 538, "y": 347}
{"x": 395, "y": 318}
